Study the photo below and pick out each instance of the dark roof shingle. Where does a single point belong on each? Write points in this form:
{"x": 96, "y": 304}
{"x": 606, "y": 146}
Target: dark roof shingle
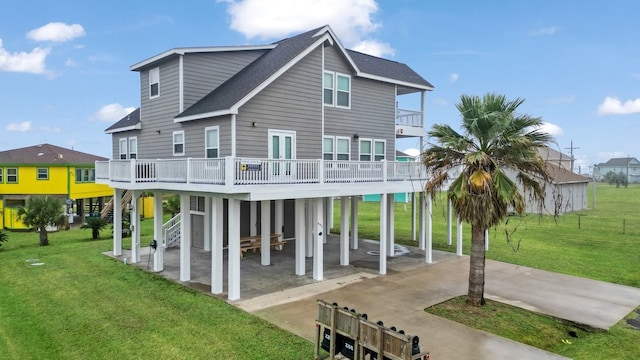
{"x": 129, "y": 120}
{"x": 47, "y": 154}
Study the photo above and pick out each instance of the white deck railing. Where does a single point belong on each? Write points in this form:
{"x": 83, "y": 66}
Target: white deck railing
{"x": 409, "y": 118}
{"x": 231, "y": 171}
{"x": 171, "y": 231}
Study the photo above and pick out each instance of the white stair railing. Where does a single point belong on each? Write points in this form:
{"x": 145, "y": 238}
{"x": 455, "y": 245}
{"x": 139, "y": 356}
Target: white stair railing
{"x": 171, "y": 231}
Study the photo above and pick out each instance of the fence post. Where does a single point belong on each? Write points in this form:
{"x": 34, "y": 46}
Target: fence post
{"x": 321, "y": 171}
{"x": 229, "y": 171}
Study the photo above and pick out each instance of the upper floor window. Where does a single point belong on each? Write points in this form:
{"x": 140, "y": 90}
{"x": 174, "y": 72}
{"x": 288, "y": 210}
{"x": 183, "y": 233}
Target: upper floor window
{"x": 178, "y": 143}
{"x": 122, "y": 145}
{"x": 12, "y": 175}
{"x": 154, "y": 83}
{"x": 336, "y": 89}
{"x": 365, "y": 150}
{"x": 327, "y": 85}
{"x": 133, "y": 147}
{"x": 372, "y": 149}
{"x": 42, "y": 173}
{"x": 212, "y": 140}
{"x": 336, "y": 148}
{"x": 85, "y": 175}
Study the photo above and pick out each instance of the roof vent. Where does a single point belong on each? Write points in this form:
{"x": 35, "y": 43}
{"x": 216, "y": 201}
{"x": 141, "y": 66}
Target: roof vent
{"x": 59, "y": 156}
{"x": 40, "y": 154}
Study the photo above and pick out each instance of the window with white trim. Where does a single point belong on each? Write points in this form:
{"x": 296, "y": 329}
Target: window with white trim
{"x": 12, "y": 175}
{"x": 212, "y": 142}
{"x": 336, "y": 89}
{"x": 154, "y": 83}
{"x": 327, "y": 148}
{"x": 42, "y": 173}
{"x": 336, "y": 148}
{"x": 327, "y": 86}
{"x": 178, "y": 143}
{"x": 343, "y": 91}
{"x": 379, "y": 150}
{"x": 365, "y": 149}
{"x": 133, "y": 147}
{"x": 122, "y": 146}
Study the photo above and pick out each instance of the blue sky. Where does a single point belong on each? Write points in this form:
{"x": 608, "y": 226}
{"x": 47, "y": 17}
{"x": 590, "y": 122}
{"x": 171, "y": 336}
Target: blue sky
{"x": 64, "y": 65}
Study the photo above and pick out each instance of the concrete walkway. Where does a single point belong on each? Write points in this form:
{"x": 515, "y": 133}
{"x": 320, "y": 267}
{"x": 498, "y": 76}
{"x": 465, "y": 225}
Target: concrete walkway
{"x": 276, "y": 294}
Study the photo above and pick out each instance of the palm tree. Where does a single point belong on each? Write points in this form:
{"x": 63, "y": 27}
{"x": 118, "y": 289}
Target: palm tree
{"x": 40, "y": 212}
{"x": 96, "y": 224}
{"x": 496, "y": 140}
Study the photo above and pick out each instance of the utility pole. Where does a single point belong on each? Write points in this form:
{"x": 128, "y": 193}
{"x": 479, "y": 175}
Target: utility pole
{"x": 571, "y": 148}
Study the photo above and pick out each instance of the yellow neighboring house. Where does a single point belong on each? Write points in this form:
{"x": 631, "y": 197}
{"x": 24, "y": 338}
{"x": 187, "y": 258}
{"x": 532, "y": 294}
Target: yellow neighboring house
{"x": 49, "y": 170}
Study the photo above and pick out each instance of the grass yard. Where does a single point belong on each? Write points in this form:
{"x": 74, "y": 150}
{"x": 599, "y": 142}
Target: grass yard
{"x": 601, "y": 243}
{"x": 81, "y": 304}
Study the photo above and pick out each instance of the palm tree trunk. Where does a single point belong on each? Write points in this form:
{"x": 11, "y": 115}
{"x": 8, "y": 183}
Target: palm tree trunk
{"x": 44, "y": 238}
{"x": 475, "y": 295}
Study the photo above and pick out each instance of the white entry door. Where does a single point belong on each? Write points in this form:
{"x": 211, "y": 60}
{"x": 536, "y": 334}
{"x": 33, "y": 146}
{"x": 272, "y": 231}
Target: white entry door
{"x": 282, "y": 146}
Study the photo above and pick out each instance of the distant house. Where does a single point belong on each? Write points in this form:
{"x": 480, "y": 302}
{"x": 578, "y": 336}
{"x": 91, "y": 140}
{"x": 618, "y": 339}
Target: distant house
{"x": 48, "y": 170}
{"x": 629, "y": 166}
{"x": 567, "y": 191}
{"x": 552, "y": 156}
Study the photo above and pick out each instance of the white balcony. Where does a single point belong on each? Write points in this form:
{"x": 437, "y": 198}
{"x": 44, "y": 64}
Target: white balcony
{"x": 242, "y": 175}
{"x": 409, "y": 123}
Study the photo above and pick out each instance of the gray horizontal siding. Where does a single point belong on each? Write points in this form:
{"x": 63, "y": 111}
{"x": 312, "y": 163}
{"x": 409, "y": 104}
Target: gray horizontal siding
{"x": 204, "y": 72}
{"x": 194, "y": 136}
{"x": 292, "y": 102}
{"x": 372, "y": 112}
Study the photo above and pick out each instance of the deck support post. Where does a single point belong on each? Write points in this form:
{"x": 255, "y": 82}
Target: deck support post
{"x": 449, "y": 217}
{"x": 117, "y": 222}
{"x": 459, "y": 238}
{"x": 207, "y": 223}
{"x": 429, "y": 236}
{"x": 421, "y": 224}
{"x": 383, "y": 234}
{"x": 318, "y": 249}
{"x": 234, "y": 249}
{"x": 391, "y": 240}
{"x": 265, "y": 232}
{"x": 300, "y": 236}
{"x": 310, "y": 227}
{"x": 185, "y": 238}
{"x": 354, "y": 222}
{"x": 134, "y": 220}
{"x": 217, "y": 242}
{"x": 158, "y": 236}
{"x": 344, "y": 230}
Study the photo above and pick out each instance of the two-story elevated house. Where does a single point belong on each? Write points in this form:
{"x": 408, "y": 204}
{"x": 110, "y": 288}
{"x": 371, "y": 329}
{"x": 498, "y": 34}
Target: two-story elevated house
{"x": 256, "y": 140}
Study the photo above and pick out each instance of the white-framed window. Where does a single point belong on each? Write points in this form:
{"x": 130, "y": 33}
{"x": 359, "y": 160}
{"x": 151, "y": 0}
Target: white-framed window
{"x": 327, "y": 86}
{"x": 122, "y": 146}
{"x": 42, "y": 174}
{"x": 85, "y": 175}
{"x": 154, "y": 83}
{"x": 133, "y": 147}
{"x": 343, "y": 90}
{"x": 212, "y": 142}
{"x": 336, "y": 89}
{"x": 379, "y": 147}
{"x": 336, "y": 148}
{"x": 12, "y": 175}
{"x": 365, "y": 149}
{"x": 178, "y": 143}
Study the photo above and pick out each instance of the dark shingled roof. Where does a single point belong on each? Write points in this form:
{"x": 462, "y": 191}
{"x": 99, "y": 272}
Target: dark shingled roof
{"x": 246, "y": 80}
{"x": 616, "y": 162}
{"x": 129, "y": 120}
{"x": 386, "y": 68}
{"x": 47, "y": 154}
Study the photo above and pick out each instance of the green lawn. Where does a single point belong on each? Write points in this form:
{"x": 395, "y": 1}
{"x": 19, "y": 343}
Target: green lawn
{"x": 601, "y": 243}
{"x": 81, "y": 304}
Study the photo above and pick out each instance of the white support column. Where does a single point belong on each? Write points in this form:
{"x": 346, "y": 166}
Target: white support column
{"x": 329, "y": 211}
{"x": 413, "y": 216}
{"x": 117, "y": 222}
{"x": 486, "y": 240}
{"x": 217, "y": 244}
{"x": 429, "y": 245}
{"x": 158, "y": 255}
{"x": 459, "y": 238}
{"x": 318, "y": 248}
{"x": 265, "y": 232}
{"x": 449, "y": 217}
{"x": 134, "y": 220}
{"x": 421, "y": 225}
{"x": 344, "y": 230}
{"x": 185, "y": 238}
{"x": 207, "y": 223}
{"x": 253, "y": 218}
{"x": 354, "y": 222}
{"x": 310, "y": 226}
{"x": 391, "y": 240}
{"x": 383, "y": 234}
{"x": 300, "y": 236}
{"x": 234, "y": 249}
{"x": 279, "y": 217}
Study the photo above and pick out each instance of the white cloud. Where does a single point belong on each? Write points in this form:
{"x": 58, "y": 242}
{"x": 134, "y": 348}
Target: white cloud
{"x": 29, "y": 62}
{"x": 70, "y": 63}
{"x": 20, "y": 126}
{"x": 454, "y": 77}
{"x": 551, "y": 129}
{"x": 112, "y": 112}
{"x": 352, "y": 20}
{"x": 413, "y": 152}
{"x": 57, "y": 32}
{"x": 373, "y": 47}
{"x": 549, "y": 30}
{"x": 613, "y": 106}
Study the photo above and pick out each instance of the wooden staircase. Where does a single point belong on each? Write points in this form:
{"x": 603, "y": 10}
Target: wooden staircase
{"x": 107, "y": 211}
